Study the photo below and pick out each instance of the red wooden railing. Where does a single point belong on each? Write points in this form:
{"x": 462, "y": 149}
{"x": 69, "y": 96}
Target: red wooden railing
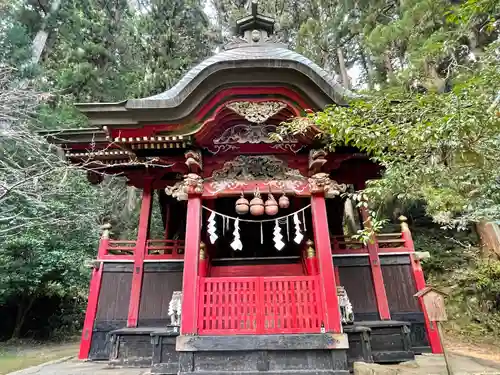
{"x": 117, "y": 249}
{"x": 165, "y": 249}
{"x": 155, "y": 249}
{"x": 259, "y": 305}
{"x": 386, "y": 243}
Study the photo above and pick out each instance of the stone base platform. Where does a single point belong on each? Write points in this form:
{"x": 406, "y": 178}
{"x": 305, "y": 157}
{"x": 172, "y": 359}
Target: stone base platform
{"x": 263, "y": 354}
{"x": 390, "y": 340}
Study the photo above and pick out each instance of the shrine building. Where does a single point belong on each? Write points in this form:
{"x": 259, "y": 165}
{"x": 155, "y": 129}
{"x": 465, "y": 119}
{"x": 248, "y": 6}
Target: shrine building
{"x": 254, "y": 271}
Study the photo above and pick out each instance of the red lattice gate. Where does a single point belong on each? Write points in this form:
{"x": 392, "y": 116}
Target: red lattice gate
{"x": 259, "y": 305}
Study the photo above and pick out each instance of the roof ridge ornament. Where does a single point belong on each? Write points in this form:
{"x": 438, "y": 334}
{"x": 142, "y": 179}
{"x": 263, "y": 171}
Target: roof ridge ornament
{"x": 253, "y": 29}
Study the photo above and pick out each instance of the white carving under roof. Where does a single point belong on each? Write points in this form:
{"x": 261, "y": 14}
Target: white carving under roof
{"x": 257, "y": 112}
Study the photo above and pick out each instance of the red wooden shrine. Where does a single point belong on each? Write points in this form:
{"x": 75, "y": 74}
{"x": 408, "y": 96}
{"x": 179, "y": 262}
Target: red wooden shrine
{"x": 203, "y": 144}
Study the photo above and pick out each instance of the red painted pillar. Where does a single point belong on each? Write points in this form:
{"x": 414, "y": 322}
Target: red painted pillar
{"x": 327, "y": 274}
{"x": 94, "y": 290}
{"x": 418, "y": 276}
{"x": 139, "y": 253}
{"x": 376, "y": 271}
{"x": 190, "y": 277}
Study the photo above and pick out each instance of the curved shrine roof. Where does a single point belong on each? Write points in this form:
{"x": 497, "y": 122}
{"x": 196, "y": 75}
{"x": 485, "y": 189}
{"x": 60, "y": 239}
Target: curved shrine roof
{"x": 246, "y": 56}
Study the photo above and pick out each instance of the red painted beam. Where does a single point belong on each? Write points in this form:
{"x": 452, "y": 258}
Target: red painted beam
{"x": 139, "y": 255}
{"x": 190, "y": 277}
{"x": 213, "y": 190}
{"x": 418, "y": 276}
{"x": 327, "y": 273}
{"x": 349, "y": 251}
{"x": 376, "y": 271}
{"x": 88, "y": 324}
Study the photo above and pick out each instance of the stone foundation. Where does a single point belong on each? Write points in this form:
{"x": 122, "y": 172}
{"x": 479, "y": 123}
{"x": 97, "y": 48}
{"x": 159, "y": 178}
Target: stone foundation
{"x": 263, "y": 354}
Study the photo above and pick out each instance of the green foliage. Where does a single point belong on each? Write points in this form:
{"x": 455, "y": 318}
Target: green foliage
{"x": 439, "y": 147}
{"x": 484, "y": 282}
{"x": 450, "y": 251}
{"x": 14, "y": 36}
{"x": 474, "y": 300}
{"x": 472, "y": 283}
{"x": 435, "y": 147}
{"x": 95, "y": 50}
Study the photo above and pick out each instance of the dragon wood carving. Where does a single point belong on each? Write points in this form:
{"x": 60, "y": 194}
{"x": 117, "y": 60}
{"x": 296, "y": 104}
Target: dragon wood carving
{"x": 252, "y": 134}
{"x": 192, "y": 184}
{"x": 246, "y": 168}
{"x": 321, "y": 183}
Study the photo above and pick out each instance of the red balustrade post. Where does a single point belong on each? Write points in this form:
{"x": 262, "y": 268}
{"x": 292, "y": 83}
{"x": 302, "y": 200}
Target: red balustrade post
{"x": 324, "y": 253}
{"x": 376, "y": 271}
{"x": 311, "y": 260}
{"x": 139, "y": 254}
{"x": 190, "y": 278}
{"x": 93, "y": 299}
{"x": 203, "y": 262}
{"x": 418, "y": 276}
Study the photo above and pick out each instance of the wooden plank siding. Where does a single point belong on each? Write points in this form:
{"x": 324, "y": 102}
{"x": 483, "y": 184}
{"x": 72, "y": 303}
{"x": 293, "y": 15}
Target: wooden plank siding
{"x": 157, "y": 289}
{"x": 400, "y": 288}
{"x": 114, "y": 297}
{"x": 357, "y": 281}
{"x": 112, "y": 307}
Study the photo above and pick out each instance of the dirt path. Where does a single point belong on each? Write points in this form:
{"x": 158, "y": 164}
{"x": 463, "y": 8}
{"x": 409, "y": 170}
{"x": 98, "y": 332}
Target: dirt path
{"x": 487, "y": 352}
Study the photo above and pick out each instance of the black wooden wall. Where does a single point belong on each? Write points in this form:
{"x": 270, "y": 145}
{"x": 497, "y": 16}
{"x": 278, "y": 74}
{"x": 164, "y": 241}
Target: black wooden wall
{"x": 112, "y": 307}
{"x": 159, "y": 282}
{"x": 355, "y": 276}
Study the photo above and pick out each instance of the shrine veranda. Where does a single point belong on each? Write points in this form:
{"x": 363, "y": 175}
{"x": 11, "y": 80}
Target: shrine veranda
{"x": 254, "y": 273}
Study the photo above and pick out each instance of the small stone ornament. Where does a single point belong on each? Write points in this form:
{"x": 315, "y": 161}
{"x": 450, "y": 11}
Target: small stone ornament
{"x": 174, "y": 308}
{"x": 242, "y": 205}
{"x": 257, "y": 205}
{"x": 271, "y": 206}
{"x": 346, "y": 312}
{"x": 284, "y": 202}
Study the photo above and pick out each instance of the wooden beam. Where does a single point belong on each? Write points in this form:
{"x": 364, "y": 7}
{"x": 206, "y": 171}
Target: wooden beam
{"x": 418, "y": 276}
{"x": 213, "y": 190}
{"x": 90, "y": 314}
{"x": 190, "y": 281}
{"x": 324, "y": 253}
{"x": 139, "y": 255}
{"x": 376, "y": 271}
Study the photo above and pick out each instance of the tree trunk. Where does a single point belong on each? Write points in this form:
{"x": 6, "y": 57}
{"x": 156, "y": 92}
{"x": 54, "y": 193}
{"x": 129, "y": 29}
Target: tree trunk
{"x": 343, "y": 70}
{"x": 474, "y": 46}
{"x": 22, "y": 312}
{"x": 367, "y": 68}
{"x": 434, "y": 81}
{"x": 388, "y": 66}
{"x": 350, "y": 217}
{"x": 40, "y": 39}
